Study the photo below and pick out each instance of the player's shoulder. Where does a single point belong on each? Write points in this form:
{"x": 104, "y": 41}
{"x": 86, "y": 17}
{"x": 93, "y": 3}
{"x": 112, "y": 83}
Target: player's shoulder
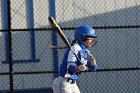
{"x": 76, "y": 47}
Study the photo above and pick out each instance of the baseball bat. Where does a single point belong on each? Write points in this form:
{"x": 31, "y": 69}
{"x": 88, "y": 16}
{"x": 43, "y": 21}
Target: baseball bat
{"x": 62, "y": 35}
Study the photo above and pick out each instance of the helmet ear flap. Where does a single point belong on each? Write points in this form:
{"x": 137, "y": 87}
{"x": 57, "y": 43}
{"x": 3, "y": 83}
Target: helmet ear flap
{"x": 83, "y": 37}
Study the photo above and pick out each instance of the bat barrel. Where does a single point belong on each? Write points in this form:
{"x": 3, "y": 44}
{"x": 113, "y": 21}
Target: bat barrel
{"x": 63, "y": 37}
{"x": 51, "y": 20}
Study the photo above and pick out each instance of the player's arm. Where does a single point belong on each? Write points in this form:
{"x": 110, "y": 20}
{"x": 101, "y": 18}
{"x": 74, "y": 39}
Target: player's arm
{"x": 72, "y": 68}
{"x": 71, "y": 65}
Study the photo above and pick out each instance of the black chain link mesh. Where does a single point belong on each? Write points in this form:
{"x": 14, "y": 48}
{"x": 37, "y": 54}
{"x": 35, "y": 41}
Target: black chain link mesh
{"x": 117, "y": 25}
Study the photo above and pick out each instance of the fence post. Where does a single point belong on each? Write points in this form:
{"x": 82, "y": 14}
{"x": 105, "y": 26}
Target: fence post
{"x": 10, "y": 47}
{"x": 54, "y": 35}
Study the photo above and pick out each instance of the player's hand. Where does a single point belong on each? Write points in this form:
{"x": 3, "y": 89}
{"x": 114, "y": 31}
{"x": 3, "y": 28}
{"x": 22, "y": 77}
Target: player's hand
{"x": 82, "y": 68}
{"x": 92, "y": 59}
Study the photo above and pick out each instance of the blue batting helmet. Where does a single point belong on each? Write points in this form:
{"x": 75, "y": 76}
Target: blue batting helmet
{"x": 83, "y": 32}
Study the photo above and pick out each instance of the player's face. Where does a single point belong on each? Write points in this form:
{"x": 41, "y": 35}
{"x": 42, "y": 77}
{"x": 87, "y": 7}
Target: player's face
{"x": 89, "y": 42}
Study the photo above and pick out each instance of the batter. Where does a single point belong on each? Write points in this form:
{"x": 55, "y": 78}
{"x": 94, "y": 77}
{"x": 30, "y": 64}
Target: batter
{"x": 70, "y": 67}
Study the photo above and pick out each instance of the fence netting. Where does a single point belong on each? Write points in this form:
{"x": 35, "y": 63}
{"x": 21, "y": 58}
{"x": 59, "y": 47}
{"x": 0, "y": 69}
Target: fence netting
{"x": 35, "y": 64}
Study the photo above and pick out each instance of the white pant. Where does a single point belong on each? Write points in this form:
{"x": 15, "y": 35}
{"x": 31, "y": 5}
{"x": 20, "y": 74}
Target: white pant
{"x": 60, "y": 85}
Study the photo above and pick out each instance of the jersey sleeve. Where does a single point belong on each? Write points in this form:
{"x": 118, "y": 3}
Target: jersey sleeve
{"x": 71, "y": 56}
{"x": 71, "y": 61}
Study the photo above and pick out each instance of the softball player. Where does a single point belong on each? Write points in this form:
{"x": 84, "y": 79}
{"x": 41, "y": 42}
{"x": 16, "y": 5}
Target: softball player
{"x": 70, "y": 68}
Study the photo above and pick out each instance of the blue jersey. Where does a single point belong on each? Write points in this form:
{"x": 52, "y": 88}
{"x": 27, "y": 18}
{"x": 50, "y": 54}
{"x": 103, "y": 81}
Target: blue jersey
{"x": 69, "y": 62}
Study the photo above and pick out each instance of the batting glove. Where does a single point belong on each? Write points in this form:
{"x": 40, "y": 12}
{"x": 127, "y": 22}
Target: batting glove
{"x": 82, "y": 68}
{"x": 92, "y": 59}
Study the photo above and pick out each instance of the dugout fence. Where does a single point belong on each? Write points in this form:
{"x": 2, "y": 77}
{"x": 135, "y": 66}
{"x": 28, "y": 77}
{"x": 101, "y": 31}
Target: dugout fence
{"x": 29, "y": 65}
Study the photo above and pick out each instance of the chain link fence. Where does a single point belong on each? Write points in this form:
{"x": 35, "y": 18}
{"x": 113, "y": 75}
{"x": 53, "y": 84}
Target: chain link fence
{"x": 29, "y": 65}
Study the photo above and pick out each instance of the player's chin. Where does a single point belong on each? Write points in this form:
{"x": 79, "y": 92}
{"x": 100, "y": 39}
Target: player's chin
{"x": 90, "y": 45}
